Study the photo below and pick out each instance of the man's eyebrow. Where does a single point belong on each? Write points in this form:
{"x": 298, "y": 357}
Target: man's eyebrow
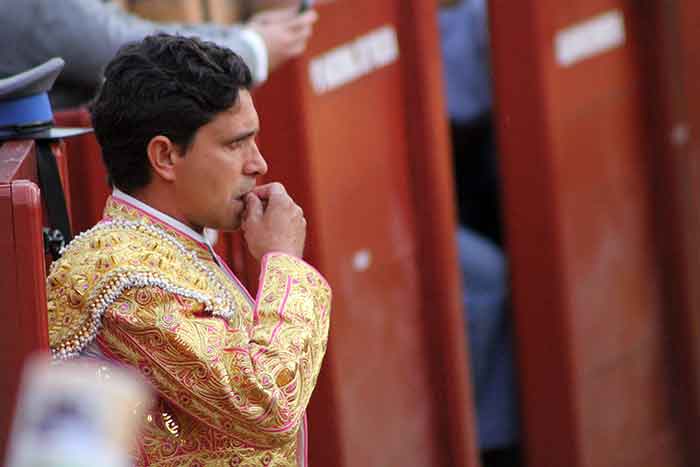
{"x": 243, "y": 136}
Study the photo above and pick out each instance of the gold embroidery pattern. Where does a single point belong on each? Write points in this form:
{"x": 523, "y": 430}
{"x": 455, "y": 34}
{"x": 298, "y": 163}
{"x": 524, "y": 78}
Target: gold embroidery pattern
{"x": 236, "y": 388}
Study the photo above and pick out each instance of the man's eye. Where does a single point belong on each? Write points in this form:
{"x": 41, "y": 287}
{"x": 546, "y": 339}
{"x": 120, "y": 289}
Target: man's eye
{"x": 252, "y": 139}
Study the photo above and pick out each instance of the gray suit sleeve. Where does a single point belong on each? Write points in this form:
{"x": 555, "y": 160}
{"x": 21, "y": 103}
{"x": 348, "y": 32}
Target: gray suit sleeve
{"x": 87, "y": 34}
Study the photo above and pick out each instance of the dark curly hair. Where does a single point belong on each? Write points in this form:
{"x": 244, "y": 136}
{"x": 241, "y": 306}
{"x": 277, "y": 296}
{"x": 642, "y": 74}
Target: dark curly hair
{"x": 166, "y": 85}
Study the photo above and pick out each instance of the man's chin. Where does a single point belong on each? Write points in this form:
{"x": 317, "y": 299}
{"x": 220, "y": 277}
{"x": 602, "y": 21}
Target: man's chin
{"x": 229, "y": 226}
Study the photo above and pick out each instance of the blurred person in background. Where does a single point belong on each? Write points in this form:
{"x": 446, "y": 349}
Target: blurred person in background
{"x": 87, "y": 34}
{"x": 467, "y": 77}
{"x": 465, "y": 51}
{"x": 143, "y": 288}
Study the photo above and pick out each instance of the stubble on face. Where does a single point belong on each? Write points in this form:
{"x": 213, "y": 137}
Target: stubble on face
{"x": 227, "y": 164}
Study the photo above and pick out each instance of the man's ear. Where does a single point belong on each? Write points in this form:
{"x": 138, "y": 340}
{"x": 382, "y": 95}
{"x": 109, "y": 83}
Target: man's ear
{"x": 162, "y": 154}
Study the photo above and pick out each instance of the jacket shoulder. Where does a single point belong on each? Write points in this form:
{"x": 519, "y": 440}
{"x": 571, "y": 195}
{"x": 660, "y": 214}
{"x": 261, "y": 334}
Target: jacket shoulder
{"x": 99, "y": 265}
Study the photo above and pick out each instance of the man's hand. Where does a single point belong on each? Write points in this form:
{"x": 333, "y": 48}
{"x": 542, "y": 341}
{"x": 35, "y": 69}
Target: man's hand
{"x": 273, "y": 222}
{"x": 284, "y": 31}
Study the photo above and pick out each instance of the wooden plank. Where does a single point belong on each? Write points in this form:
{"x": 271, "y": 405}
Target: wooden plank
{"x": 59, "y": 151}
{"x": 545, "y": 359}
{"x": 31, "y": 270}
{"x": 8, "y": 287}
{"x": 22, "y": 272}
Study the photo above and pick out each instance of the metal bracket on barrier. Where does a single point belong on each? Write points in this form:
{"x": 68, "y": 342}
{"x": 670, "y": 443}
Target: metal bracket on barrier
{"x": 54, "y": 241}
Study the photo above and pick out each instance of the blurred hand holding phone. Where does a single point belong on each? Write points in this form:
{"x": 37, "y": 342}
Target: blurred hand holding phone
{"x": 305, "y": 5}
{"x": 285, "y": 31}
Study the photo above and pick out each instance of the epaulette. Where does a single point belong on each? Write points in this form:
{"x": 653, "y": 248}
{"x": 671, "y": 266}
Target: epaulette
{"x": 112, "y": 257}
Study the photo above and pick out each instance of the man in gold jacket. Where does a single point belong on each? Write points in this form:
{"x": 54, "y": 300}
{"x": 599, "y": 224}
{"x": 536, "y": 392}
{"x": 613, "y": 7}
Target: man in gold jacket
{"x": 144, "y": 288}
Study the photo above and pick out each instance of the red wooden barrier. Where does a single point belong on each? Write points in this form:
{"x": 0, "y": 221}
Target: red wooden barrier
{"x": 22, "y": 271}
{"x": 674, "y": 115}
{"x": 589, "y": 297}
{"x": 87, "y": 174}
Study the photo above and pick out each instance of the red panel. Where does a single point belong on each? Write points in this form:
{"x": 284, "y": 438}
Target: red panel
{"x": 17, "y": 161}
{"x": 8, "y": 285}
{"x": 25, "y": 329}
{"x": 549, "y": 432}
{"x": 674, "y": 58}
{"x": 59, "y": 151}
{"x": 587, "y": 290}
{"x": 88, "y": 177}
{"x": 22, "y": 275}
{"x": 632, "y": 428}
{"x": 31, "y": 285}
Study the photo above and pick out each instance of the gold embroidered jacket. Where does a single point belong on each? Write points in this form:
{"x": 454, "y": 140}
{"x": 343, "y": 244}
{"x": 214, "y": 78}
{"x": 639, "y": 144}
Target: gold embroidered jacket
{"x": 234, "y": 374}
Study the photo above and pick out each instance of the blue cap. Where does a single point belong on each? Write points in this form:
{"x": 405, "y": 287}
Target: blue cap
{"x": 25, "y": 109}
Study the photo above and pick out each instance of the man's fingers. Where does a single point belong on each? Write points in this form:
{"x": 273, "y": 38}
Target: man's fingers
{"x": 253, "y": 208}
{"x": 279, "y": 201}
{"x": 265, "y": 191}
{"x": 302, "y": 22}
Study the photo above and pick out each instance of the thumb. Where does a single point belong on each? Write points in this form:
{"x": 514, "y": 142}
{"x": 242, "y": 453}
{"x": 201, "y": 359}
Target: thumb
{"x": 253, "y": 208}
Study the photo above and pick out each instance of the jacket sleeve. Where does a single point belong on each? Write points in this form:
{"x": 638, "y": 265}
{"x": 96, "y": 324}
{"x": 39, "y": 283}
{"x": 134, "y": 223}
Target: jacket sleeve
{"x": 252, "y": 381}
{"x": 88, "y": 33}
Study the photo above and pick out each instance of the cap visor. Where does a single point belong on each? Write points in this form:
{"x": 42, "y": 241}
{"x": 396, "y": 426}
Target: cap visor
{"x": 60, "y": 133}
{"x": 52, "y": 133}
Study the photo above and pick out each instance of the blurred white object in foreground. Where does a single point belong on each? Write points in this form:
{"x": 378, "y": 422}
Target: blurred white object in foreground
{"x": 76, "y": 414}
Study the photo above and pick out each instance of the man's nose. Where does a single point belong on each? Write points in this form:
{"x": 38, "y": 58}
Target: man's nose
{"x": 257, "y": 164}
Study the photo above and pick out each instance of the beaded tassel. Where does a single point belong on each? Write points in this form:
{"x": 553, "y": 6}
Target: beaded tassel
{"x": 117, "y": 281}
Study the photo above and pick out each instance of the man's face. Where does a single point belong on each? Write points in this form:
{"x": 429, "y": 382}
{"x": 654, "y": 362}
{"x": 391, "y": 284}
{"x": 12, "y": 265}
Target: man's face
{"x": 220, "y": 167}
